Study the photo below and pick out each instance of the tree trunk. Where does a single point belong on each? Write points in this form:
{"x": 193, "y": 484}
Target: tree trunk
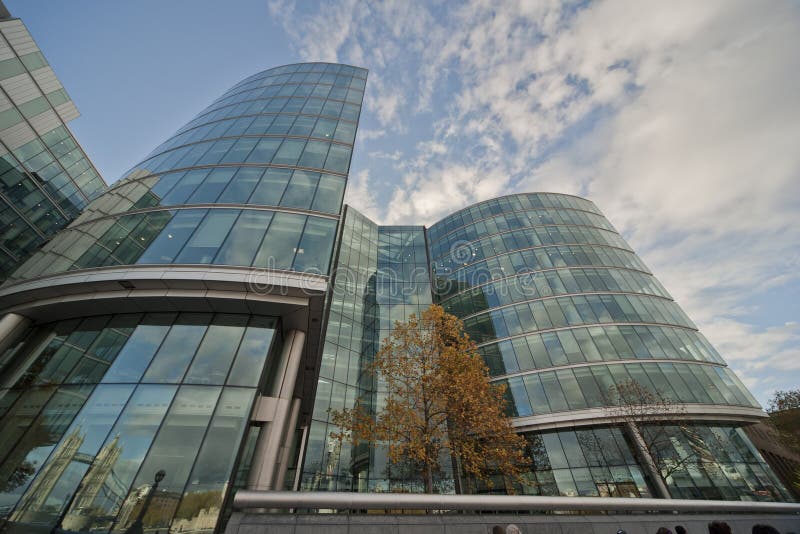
{"x": 428, "y": 476}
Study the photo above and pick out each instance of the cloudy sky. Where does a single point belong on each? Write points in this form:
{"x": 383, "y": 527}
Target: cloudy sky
{"x": 681, "y": 120}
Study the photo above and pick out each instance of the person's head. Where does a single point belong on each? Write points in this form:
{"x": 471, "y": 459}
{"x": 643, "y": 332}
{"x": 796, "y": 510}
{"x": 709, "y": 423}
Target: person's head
{"x": 679, "y": 529}
{"x": 719, "y": 527}
{"x": 765, "y": 529}
{"x": 663, "y": 530}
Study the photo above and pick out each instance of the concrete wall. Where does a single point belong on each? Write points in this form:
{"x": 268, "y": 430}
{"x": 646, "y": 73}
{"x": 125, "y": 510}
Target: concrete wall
{"x": 247, "y": 523}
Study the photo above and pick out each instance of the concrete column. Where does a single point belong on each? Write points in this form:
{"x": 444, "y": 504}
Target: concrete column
{"x": 646, "y": 462}
{"x": 265, "y": 467}
{"x": 12, "y": 326}
{"x": 286, "y": 446}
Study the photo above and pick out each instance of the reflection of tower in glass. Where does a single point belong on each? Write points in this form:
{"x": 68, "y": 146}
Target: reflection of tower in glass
{"x": 43, "y": 485}
{"x": 100, "y": 480}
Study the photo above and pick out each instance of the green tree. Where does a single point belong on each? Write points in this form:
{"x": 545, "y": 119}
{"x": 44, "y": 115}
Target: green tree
{"x": 439, "y": 401}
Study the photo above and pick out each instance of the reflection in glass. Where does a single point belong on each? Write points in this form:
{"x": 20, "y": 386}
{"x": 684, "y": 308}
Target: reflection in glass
{"x": 112, "y": 470}
{"x": 208, "y": 483}
{"x": 174, "y": 450}
{"x": 70, "y": 460}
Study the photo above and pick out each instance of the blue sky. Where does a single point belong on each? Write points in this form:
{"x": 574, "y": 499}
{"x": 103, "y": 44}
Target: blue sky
{"x": 680, "y": 120}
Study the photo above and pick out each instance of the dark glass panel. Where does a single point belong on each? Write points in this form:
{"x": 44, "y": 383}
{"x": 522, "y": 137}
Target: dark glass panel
{"x": 135, "y": 356}
{"x": 205, "y": 492}
{"x": 241, "y": 186}
{"x": 174, "y": 450}
{"x": 106, "y": 483}
{"x": 271, "y": 187}
{"x": 216, "y": 352}
{"x": 70, "y": 460}
{"x": 313, "y": 253}
{"x": 244, "y": 239}
{"x": 178, "y": 348}
{"x": 249, "y": 363}
{"x": 169, "y": 243}
{"x": 208, "y": 238}
{"x": 280, "y": 244}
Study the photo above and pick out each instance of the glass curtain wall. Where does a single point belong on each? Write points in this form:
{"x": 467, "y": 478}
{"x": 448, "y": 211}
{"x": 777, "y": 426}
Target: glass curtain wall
{"x": 95, "y": 407}
{"x": 381, "y": 277}
{"x": 563, "y": 311}
{"x": 255, "y": 180}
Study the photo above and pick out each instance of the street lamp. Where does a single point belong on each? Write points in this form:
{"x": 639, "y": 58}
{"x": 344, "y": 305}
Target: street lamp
{"x": 137, "y": 527}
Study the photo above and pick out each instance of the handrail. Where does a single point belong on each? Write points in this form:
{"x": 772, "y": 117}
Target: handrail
{"x": 248, "y": 499}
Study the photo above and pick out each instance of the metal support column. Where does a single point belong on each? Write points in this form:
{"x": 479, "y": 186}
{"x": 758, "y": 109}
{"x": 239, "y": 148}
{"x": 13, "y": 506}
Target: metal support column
{"x": 265, "y": 468}
{"x": 11, "y": 327}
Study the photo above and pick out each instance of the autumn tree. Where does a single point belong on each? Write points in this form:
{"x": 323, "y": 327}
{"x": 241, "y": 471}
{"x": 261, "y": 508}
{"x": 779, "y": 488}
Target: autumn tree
{"x": 439, "y": 402}
{"x": 650, "y": 418}
{"x": 784, "y": 417}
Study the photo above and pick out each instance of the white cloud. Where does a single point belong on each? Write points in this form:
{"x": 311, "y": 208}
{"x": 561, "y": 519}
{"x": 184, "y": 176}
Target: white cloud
{"x": 679, "y": 119}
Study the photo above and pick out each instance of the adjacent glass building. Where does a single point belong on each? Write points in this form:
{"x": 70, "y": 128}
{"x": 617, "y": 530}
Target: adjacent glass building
{"x": 189, "y": 340}
{"x": 46, "y": 179}
{"x": 205, "y": 314}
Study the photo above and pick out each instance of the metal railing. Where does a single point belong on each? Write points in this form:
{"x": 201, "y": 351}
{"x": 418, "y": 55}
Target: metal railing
{"x": 246, "y": 499}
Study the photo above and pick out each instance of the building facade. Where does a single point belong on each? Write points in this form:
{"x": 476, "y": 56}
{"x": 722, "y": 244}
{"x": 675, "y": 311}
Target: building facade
{"x": 205, "y": 314}
{"x": 46, "y": 179}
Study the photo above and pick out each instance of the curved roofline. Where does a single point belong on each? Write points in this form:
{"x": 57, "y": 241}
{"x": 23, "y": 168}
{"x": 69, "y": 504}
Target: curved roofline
{"x": 514, "y": 195}
{"x": 307, "y": 63}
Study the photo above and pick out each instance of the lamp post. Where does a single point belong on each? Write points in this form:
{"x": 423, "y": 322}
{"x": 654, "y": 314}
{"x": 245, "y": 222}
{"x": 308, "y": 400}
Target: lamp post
{"x": 58, "y": 527}
{"x": 137, "y": 527}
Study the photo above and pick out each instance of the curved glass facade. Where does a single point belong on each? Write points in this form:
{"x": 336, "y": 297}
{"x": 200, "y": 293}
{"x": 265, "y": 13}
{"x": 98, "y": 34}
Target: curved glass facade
{"x": 282, "y": 140}
{"x": 563, "y": 310}
{"x": 96, "y": 406}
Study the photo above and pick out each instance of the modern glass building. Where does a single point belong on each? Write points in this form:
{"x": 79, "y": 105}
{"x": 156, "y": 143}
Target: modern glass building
{"x": 175, "y": 324}
{"x": 204, "y": 314}
{"x": 46, "y": 179}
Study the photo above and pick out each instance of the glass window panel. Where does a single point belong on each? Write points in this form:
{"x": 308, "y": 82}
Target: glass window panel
{"x": 325, "y": 129}
{"x": 174, "y": 450}
{"x": 185, "y": 187}
{"x": 50, "y": 490}
{"x": 280, "y": 244}
{"x": 303, "y": 125}
{"x": 240, "y": 150}
{"x": 216, "y": 152}
{"x": 212, "y": 186}
{"x": 135, "y": 356}
{"x": 271, "y": 187}
{"x": 345, "y": 132}
{"x": 264, "y": 150}
{"x": 536, "y": 394}
{"x": 114, "y": 467}
{"x": 552, "y": 388}
{"x": 249, "y": 363}
{"x": 216, "y": 352}
{"x": 338, "y": 159}
{"x": 208, "y": 237}
{"x": 571, "y": 388}
{"x": 244, "y": 238}
{"x": 30, "y": 452}
{"x": 178, "y": 348}
{"x": 314, "y": 251}
{"x": 21, "y": 415}
{"x": 205, "y": 492}
{"x": 329, "y": 194}
{"x": 169, "y": 242}
{"x": 314, "y": 154}
{"x": 289, "y": 152}
{"x": 241, "y": 186}
{"x": 300, "y": 191}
